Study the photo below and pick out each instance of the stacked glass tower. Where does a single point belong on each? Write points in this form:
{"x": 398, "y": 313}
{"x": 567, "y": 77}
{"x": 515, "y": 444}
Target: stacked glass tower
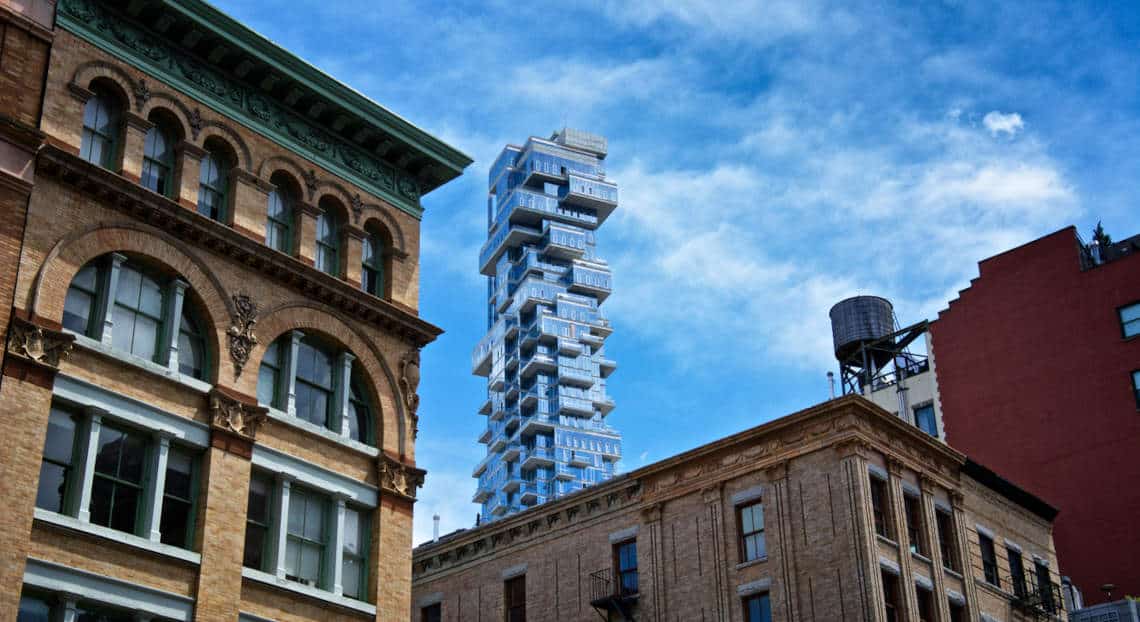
{"x": 544, "y": 355}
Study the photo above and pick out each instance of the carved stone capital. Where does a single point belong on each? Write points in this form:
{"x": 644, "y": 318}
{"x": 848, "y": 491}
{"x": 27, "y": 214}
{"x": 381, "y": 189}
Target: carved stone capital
{"x": 777, "y": 471}
{"x": 894, "y": 465}
{"x": 652, "y": 512}
{"x": 854, "y": 446}
{"x": 40, "y": 345}
{"x": 398, "y": 478}
{"x": 957, "y": 500}
{"x": 927, "y": 483}
{"x": 234, "y": 416}
{"x": 713, "y": 494}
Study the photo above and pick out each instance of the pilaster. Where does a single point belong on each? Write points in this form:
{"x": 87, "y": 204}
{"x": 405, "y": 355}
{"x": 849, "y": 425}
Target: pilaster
{"x": 908, "y": 599}
{"x": 305, "y": 232}
{"x": 938, "y": 574}
{"x": 185, "y": 183}
{"x": 853, "y": 456}
{"x": 352, "y": 254}
{"x": 130, "y": 163}
{"x": 248, "y": 208}
{"x": 957, "y": 503}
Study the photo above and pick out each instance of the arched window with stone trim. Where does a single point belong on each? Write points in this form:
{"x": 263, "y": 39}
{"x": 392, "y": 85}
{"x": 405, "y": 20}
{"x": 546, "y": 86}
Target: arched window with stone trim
{"x": 139, "y": 310}
{"x": 213, "y": 179}
{"x": 330, "y": 236}
{"x": 280, "y": 214}
{"x": 376, "y": 252}
{"x": 102, "y": 126}
{"x": 307, "y": 377}
{"x": 159, "y": 153}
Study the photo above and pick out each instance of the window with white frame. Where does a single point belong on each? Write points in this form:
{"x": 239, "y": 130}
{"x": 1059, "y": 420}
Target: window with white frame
{"x": 114, "y": 474}
{"x": 328, "y": 242}
{"x": 138, "y": 310}
{"x": 308, "y": 536}
{"x": 1130, "y": 319}
{"x": 306, "y": 377}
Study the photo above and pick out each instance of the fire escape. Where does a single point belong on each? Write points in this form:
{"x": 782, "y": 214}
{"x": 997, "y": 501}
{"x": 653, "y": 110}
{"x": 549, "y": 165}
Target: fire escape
{"x": 613, "y": 601}
{"x": 1036, "y": 599}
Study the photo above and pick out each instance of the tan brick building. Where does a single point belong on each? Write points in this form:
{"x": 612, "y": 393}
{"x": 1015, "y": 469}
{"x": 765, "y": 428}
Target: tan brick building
{"x": 209, "y": 289}
{"x": 838, "y": 512}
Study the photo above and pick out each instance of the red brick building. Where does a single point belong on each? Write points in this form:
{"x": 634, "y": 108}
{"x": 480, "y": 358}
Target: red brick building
{"x": 1037, "y": 364}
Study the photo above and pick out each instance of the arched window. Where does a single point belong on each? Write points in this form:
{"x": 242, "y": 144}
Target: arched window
{"x": 328, "y": 242}
{"x": 372, "y": 268}
{"x": 279, "y": 224}
{"x": 158, "y": 155}
{"x": 213, "y": 182}
{"x": 191, "y": 345}
{"x": 131, "y": 307}
{"x": 360, "y": 414}
{"x": 326, "y": 386}
{"x": 101, "y": 115}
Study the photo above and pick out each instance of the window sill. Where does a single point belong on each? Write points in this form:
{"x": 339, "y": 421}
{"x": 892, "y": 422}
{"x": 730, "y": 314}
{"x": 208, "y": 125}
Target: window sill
{"x": 149, "y": 366}
{"x": 887, "y": 541}
{"x": 305, "y": 590}
{"x": 752, "y": 562}
{"x": 982, "y": 583}
{"x": 74, "y": 524}
{"x": 952, "y": 572}
{"x": 921, "y": 557}
{"x": 325, "y": 433}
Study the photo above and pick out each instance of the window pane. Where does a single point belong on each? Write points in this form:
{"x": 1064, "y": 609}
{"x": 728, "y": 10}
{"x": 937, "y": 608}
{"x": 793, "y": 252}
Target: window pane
{"x": 266, "y": 385}
{"x": 77, "y": 310}
{"x": 189, "y": 355}
{"x": 1130, "y": 313}
{"x": 258, "y": 510}
{"x": 292, "y": 557}
{"x": 351, "y": 578}
{"x": 101, "y": 492}
{"x": 179, "y": 474}
{"x": 33, "y": 609}
{"x": 254, "y": 545}
{"x": 109, "y": 447}
{"x": 52, "y": 487}
{"x": 60, "y": 442}
{"x": 129, "y": 286}
{"x": 124, "y": 328}
{"x": 297, "y": 503}
{"x": 125, "y": 510}
{"x": 132, "y": 459}
{"x": 314, "y": 519}
{"x": 175, "y": 522}
{"x": 352, "y": 532}
{"x": 146, "y": 337}
{"x": 758, "y": 609}
{"x": 310, "y": 563}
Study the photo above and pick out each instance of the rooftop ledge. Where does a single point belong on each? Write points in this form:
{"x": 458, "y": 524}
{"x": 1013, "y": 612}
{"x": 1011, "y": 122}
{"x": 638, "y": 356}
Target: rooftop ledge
{"x": 200, "y": 50}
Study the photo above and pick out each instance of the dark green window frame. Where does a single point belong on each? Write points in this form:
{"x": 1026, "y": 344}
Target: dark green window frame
{"x": 279, "y": 222}
{"x": 174, "y": 505}
{"x": 117, "y": 481}
{"x": 158, "y": 161}
{"x": 99, "y": 143}
{"x": 212, "y": 186}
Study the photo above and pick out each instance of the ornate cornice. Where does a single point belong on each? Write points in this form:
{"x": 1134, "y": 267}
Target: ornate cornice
{"x": 121, "y": 193}
{"x": 266, "y": 113}
{"x": 40, "y": 345}
{"x": 397, "y": 478}
{"x": 530, "y": 525}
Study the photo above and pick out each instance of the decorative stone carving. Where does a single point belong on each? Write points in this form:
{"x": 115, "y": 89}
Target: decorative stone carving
{"x": 310, "y": 179}
{"x": 894, "y": 465}
{"x": 357, "y": 205}
{"x": 42, "y": 345}
{"x": 195, "y": 123}
{"x": 399, "y": 478}
{"x": 409, "y": 384}
{"x": 142, "y": 94}
{"x": 240, "y": 334}
{"x": 234, "y": 416}
{"x": 652, "y": 513}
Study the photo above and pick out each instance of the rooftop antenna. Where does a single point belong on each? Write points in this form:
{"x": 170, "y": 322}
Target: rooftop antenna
{"x": 831, "y": 385}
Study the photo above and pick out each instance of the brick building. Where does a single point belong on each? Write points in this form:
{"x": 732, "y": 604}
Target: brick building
{"x": 1039, "y": 372}
{"x": 209, "y": 294}
{"x": 838, "y": 512}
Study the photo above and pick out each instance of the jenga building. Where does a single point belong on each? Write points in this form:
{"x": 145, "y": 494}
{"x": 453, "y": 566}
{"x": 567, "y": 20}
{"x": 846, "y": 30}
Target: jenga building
{"x": 209, "y": 289}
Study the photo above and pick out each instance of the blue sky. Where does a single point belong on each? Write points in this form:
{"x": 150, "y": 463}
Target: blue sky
{"x": 773, "y": 158}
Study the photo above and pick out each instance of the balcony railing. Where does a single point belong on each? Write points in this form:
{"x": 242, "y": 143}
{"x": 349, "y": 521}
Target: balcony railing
{"x": 614, "y": 597}
{"x": 1035, "y": 598}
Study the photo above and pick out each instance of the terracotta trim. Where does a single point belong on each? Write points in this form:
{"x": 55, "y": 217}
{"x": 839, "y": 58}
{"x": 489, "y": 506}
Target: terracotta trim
{"x": 231, "y": 443}
{"x": 27, "y": 371}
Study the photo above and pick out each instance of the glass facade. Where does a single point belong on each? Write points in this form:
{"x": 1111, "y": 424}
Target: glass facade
{"x": 544, "y": 352}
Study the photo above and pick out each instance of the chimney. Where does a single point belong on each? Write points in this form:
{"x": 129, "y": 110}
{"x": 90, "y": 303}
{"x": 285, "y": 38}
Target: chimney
{"x": 435, "y": 530}
{"x": 831, "y": 384}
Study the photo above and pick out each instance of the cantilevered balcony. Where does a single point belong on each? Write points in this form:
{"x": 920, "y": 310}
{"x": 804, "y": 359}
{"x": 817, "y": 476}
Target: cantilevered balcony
{"x": 506, "y": 236}
{"x": 563, "y": 242}
{"x": 528, "y": 208}
{"x": 602, "y": 196}
{"x": 590, "y": 281}
{"x": 568, "y": 346}
{"x": 538, "y": 362}
{"x": 534, "y": 457}
{"x": 511, "y": 451}
{"x": 572, "y": 406}
{"x": 531, "y": 491}
{"x": 581, "y": 459}
{"x": 575, "y": 377}
{"x": 537, "y": 424}
{"x": 606, "y": 367}
{"x": 535, "y": 291}
{"x": 603, "y": 403}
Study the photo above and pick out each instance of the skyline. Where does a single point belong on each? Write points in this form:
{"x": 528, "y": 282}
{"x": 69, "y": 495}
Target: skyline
{"x": 995, "y": 124}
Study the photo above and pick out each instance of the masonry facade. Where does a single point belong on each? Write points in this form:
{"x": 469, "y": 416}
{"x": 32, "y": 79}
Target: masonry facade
{"x": 211, "y": 309}
{"x": 1039, "y": 370}
{"x": 838, "y": 512}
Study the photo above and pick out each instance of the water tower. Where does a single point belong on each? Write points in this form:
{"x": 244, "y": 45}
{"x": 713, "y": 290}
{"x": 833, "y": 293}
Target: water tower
{"x": 870, "y": 346}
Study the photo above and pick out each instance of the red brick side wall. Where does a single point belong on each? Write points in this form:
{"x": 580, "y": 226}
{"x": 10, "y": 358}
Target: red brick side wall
{"x": 1035, "y": 383}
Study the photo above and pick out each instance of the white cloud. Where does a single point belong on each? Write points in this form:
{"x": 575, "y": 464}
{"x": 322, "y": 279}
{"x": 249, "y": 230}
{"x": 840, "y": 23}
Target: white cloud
{"x": 1001, "y": 123}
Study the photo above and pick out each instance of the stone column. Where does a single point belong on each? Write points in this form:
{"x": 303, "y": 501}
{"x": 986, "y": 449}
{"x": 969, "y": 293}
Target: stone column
{"x": 105, "y": 303}
{"x": 957, "y": 502}
{"x": 86, "y": 461}
{"x": 30, "y": 364}
{"x": 342, "y": 406}
{"x": 174, "y": 322}
{"x": 305, "y": 231}
{"x": 225, "y": 480}
{"x": 334, "y": 553}
{"x": 930, "y": 526}
{"x": 390, "y": 547}
{"x": 781, "y": 510}
{"x": 281, "y": 524}
{"x": 186, "y": 176}
{"x": 157, "y": 486}
{"x": 290, "y": 368}
{"x": 352, "y": 254}
{"x": 131, "y": 151}
{"x": 714, "y": 512}
{"x": 908, "y": 599}
{"x": 853, "y": 460}
{"x": 248, "y": 207}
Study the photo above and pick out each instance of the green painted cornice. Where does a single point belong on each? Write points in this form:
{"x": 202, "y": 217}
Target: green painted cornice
{"x": 271, "y": 116}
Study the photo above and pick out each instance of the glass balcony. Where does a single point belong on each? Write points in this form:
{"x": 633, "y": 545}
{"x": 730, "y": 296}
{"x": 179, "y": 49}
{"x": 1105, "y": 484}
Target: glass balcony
{"x": 532, "y": 458}
{"x": 538, "y": 362}
{"x": 563, "y": 243}
{"x": 575, "y": 377}
{"x": 581, "y": 459}
{"x": 530, "y": 492}
{"x": 567, "y": 405}
{"x": 505, "y": 237}
{"x": 530, "y": 208}
{"x": 590, "y": 281}
{"x": 569, "y": 347}
{"x": 606, "y": 367}
{"x": 537, "y": 424}
{"x": 592, "y": 193}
